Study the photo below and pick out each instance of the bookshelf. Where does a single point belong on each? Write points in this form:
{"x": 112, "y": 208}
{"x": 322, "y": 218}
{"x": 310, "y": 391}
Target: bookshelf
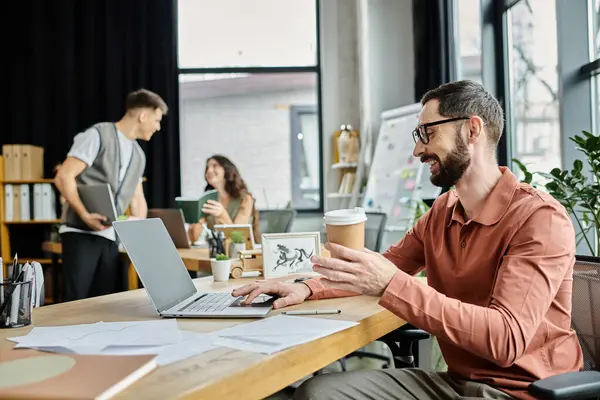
{"x": 346, "y": 172}
{"x": 5, "y": 226}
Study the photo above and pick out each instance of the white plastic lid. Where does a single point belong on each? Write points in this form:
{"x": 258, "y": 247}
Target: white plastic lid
{"x": 350, "y": 216}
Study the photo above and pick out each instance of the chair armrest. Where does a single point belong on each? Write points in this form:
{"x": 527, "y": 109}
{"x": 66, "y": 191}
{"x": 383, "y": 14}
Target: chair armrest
{"x": 407, "y": 333}
{"x": 413, "y": 334}
{"x": 571, "y": 385}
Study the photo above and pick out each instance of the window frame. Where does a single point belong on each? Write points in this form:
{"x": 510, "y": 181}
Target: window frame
{"x": 274, "y": 70}
{"x": 577, "y": 71}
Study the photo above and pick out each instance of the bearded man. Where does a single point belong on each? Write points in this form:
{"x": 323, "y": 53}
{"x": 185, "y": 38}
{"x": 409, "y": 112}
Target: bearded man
{"x": 499, "y": 256}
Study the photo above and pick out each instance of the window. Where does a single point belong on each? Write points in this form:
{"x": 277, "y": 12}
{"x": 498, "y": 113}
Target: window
{"x": 249, "y": 118}
{"x": 249, "y": 84}
{"x": 595, "y": 54}
{"x": 533, "y": 99}
{"x": 595, "y": 11}
{"x": 242, "y": 33}
{"x": 468, "y": 46}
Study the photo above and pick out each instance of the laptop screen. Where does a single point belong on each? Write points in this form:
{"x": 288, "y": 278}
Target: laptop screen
{"x": 156, "y": 261}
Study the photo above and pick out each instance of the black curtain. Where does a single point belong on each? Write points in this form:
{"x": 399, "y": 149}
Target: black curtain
{"x": 431, "y": 39}
{"x": 72, "y": 63}
{"x": 434, "y": 62}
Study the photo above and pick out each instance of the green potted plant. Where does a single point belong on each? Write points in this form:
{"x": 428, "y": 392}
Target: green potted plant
{"x": 238, "y": 243}
{"x": 578, "y": 190}
{"x": 221, "y": 267}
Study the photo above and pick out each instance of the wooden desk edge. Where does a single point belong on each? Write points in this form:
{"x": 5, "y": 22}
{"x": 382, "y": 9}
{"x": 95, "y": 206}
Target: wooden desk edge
{"x": 284, "y": 370}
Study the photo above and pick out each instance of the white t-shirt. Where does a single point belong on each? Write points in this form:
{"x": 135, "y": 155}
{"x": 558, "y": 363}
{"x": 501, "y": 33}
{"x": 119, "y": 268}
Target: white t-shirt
{"x": 86, "y": 146}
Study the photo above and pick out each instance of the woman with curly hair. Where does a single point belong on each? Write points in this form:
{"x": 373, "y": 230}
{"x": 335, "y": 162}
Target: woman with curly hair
{"x": 235, "y": 204}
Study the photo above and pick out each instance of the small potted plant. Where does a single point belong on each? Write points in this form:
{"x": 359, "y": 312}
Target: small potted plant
{"x": 238, "y": 244}
{"x": 221, "y": 267}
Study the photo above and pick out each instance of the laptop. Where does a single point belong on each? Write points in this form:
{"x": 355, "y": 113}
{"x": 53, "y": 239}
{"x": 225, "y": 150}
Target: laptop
{"x": 167, "y": 281}
{"x": 174, "y": 222}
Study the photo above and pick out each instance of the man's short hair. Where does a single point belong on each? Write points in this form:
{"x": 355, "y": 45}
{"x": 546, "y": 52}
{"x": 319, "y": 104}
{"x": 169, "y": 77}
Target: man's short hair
{"x": 469, "y": 98}
{"x": 143, "y": 98}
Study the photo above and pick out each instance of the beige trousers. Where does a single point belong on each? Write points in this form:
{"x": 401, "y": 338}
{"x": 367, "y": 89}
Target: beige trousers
{"x": 406, "y": 383}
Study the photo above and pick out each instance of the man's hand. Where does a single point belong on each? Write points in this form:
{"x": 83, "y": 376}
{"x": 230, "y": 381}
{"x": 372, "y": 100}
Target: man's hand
{"x": 94, "y": 220}
{"x": 289, "y": 293}
{"x": 214, "y": 208}
{"x": 364, "y": 272}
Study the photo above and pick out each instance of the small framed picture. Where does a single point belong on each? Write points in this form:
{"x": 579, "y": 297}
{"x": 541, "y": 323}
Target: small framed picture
{"x": 289, "y": 253}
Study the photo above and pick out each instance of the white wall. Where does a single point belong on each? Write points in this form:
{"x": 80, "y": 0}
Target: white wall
{"x": 391, "y": 56}
{"x": 388, "y": 59}
{"x": 253, "y": 130}
{"x": 340, "y": 77}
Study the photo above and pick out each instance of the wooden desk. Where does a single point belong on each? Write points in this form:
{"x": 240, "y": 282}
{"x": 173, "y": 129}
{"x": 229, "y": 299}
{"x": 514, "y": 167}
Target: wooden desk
{"x": 194, "y": 259}
{"x": 223, "y": 373}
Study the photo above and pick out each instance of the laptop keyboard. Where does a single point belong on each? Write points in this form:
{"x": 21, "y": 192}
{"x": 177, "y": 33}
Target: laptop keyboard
{"x": 210, "y": 302}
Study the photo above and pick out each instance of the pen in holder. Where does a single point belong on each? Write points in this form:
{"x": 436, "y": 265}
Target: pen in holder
{"x": 15, "y": 304}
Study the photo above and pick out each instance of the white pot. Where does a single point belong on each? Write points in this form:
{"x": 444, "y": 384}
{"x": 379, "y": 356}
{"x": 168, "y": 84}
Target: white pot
{"x": 220, "y": 269}
{"x": 234, "y": 250}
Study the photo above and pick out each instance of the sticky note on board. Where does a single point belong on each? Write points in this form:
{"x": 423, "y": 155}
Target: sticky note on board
{"x": 409, "y": 184}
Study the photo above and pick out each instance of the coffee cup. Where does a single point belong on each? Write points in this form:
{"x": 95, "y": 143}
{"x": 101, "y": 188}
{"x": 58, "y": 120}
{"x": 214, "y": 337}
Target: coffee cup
{"x": 346, "y": 227}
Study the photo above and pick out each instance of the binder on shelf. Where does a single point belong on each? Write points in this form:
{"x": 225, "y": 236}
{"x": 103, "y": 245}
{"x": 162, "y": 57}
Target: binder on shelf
{"x": 32, "y": 162}
{"x": 48, "y": 202}
{"x": 9, "y": 169}
{"x": 16, "y": 161}
{"x": 25, "y": 203}
{"x": 8, "y": 202}
{"x": 37, "y": 202}
{"x": 23, "y": 162}
{"x": 16, "y": 202}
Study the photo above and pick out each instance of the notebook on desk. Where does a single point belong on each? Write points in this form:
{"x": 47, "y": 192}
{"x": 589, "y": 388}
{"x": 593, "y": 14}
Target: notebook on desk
{"x": 167, "y": 281}
{"x": 34, "y": 374}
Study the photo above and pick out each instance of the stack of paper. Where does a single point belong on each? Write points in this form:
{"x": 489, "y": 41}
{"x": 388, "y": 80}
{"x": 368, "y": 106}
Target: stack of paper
{"x": 278, "y": 333}
{"x": 170, "y": 344}
{"x": 162, "y": 337}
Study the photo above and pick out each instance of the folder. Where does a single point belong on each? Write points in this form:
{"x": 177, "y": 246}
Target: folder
{"x": 73, "y": 376}
{"x": 48, "y": 208}
{"x": 16, "y": 162}
{"x": 32, "y": 162}
{"x": 37, "y": 202}
{"x": 9, "y": 169}
{"x": 25, "y": 203}
{"x": 8, "y": 202}
{"x": 16, "y": 202}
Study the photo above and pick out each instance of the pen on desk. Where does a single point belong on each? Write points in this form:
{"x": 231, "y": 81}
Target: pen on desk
{"x": 311, "y": 312}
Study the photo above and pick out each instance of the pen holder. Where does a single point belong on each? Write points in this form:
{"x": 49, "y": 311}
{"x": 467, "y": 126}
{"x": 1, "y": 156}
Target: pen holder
{"x": 15, "y": 304}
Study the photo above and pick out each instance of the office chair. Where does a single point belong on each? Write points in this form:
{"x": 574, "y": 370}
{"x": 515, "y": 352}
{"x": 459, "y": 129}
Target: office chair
{"x": 276, "y": 221}
{"x": 374, "y": 230}
{"x": 586, "y": 322}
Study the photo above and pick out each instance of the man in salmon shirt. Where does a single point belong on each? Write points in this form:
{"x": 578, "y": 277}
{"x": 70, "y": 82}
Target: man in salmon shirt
{"x": 499, "y": 256}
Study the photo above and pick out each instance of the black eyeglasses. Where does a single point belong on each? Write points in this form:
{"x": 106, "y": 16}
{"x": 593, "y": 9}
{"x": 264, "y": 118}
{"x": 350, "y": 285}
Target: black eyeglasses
{"x": 420, "y": 132}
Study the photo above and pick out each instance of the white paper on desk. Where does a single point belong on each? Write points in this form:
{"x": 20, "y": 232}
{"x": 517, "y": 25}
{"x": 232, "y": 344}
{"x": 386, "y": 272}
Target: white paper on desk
{"x": 94, "y": 337}
{"x": 192, "y": 343}
{"x": 274, "y": 334}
